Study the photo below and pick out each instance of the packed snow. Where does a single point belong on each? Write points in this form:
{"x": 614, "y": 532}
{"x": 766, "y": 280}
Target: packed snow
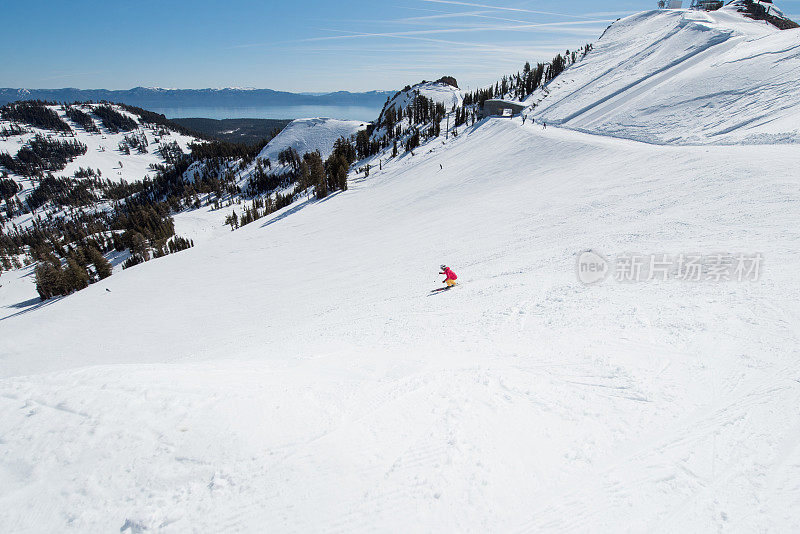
{"x": 682, "y": 76}
{"x": 297, "y": 375}
{"x": 310, "y": 135}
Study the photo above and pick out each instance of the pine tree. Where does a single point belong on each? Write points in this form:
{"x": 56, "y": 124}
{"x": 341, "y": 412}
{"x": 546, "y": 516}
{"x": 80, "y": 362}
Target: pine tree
{"x": 75, "y": 276}
{"x": 341, "y": 176}
{"x": 305, "y": 176}
{"x": 101, "y": 264}
{"x": 317, "y": 175}
{"x": 49, "y": 280}
{"x": 138, "y": 245}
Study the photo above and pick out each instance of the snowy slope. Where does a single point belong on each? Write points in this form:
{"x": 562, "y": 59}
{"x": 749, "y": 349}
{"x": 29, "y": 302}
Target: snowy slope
{"x": 440, "y": 92}
{"x": 296, "y": 374}
{"x": 309, "y": 135}
{"x": 680, "y": 76}
{"x": 437, "y": 91}
{"x": 103, "y": 152}
{"x": 102, "y": 148}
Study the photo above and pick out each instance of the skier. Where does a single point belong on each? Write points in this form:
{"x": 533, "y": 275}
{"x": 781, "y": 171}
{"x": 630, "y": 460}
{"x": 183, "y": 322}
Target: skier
{"x": 451, "y": 276}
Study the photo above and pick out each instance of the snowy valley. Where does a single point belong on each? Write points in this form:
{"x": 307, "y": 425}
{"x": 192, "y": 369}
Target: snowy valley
{"x": 294, "y": 372}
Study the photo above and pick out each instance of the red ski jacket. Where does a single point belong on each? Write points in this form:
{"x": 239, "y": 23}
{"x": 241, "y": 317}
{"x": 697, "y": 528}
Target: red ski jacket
{"x": 450, "y": 274}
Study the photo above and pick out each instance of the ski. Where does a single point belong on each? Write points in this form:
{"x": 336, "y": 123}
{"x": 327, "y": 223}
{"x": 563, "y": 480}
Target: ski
{"x": 441, "y": 289}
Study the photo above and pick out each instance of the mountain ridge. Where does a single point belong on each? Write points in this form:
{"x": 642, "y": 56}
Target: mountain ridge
{"x": 229, "y": 96}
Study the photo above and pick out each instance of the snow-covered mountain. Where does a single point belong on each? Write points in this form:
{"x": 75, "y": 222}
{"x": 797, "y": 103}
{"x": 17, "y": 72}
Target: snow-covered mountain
{"x": 83, "y": 190}
{"x": 311, "y": 135}
{"x": 683, "y": 76}
{"x": 298, "y": 375}
{"x": 440, "y": 92}
{"x": 104, "y": 147}
{"x": 123, "y": 148}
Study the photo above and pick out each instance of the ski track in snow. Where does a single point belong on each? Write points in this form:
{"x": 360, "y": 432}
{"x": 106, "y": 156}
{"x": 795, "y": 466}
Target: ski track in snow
{"x": 682, "y": 77}
{"x": 265, "y": 379}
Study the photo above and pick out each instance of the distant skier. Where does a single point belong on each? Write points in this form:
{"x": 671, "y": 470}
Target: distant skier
{"x": 451, "y": 276}
{"x": 544, "y": 125}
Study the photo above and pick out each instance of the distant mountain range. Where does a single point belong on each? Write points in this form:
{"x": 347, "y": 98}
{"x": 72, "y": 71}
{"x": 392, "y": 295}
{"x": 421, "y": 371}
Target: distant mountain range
{"x": 147, "y": 97}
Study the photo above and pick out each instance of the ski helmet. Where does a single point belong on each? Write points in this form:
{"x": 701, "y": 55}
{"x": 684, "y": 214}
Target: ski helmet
{"x": 444, "y": 266}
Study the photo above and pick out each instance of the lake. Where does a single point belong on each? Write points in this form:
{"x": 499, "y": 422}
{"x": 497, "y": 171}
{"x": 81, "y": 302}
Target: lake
{"x": 361, "y": 113}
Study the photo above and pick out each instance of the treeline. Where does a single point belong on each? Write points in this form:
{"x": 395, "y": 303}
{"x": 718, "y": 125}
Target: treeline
{"x": 50, "y": 231}
{"x": 34, "y": 113}
{"x": 225, "y": 150}
{"x": 261, "y": 181}
{"x": 84, "y": 120}
{"x": 61, "y": 192}
{"x": 308, "y": 171}
{"x": 83, "y": 189}
{"x": 84, "y": 264}
{"x": 71, "y": 231}
{"x": 136, "y": 141}
{"x": 150, "y": 117}
{"x": 70, "y": 261}
{"x": 140, "y": 220}
{"x": 424, "y": 117}
{"x": 113, "y": 120}
{"x": 69, "y": 239}
{"x": 521, "y": 85}
{"x": 171, "y": 152}
{"x": 214, "y": 177}
{"x": 258, "y": 208}
{"x": 42, "y": 154}
{"x": 420, "y": 110}
{"x": 13, "y": 129}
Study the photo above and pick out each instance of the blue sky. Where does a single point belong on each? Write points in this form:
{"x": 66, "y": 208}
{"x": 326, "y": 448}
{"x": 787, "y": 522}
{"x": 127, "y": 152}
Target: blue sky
{"x": 295, "y": 46}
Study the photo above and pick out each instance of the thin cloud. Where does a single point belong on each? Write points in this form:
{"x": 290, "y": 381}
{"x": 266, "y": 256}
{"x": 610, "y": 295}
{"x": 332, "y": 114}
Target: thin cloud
{"x": 73, "y": 74}
{"x": 523, "y": 51}
{"x": 502, "y": 8}
{"x": 611, "y": 13}
{"x": 563, "y": 26}
{"x": 441, "y": 15}
{"x": 571, "y": 27}
{"x": 428, "y": 49}
{"x": 462, "y": 14}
